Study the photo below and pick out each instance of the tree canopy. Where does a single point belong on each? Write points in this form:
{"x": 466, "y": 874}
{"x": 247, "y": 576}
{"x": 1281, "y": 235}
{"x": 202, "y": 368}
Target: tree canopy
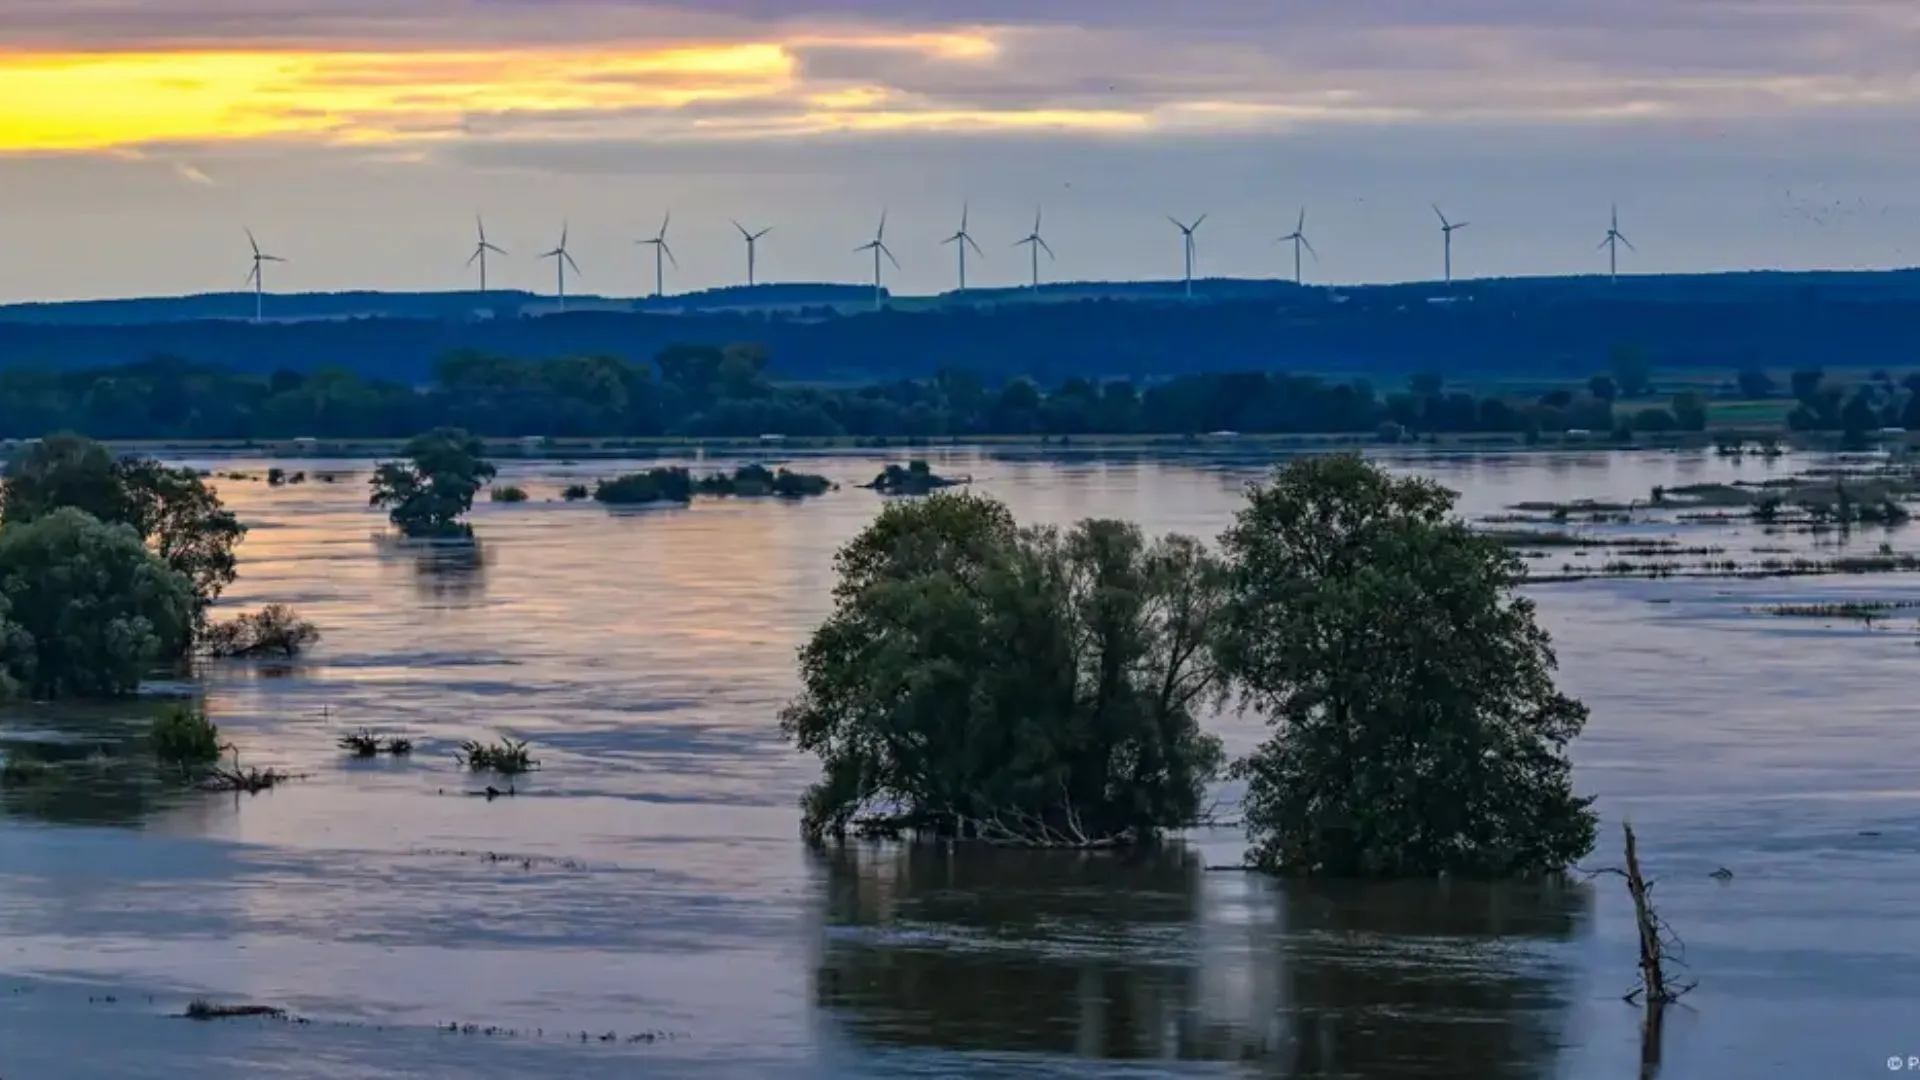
{"x": 977, "y": 679}
{"x": 1417, "y": 725}
{"x": 85, "y": 608}
{"x": 428, "y": 494}
{"x": 171, "y": 509}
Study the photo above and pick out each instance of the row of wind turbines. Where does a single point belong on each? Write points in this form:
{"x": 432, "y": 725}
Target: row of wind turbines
{"x": 962, "y": 239}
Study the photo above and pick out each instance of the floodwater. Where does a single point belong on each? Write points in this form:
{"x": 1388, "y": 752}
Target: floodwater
{"x": 649, "y": 880}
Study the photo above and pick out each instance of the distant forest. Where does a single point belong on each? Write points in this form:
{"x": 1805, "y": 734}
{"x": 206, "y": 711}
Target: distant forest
{"x": 1523, "y": 328}
{"x": 699, "y": 390}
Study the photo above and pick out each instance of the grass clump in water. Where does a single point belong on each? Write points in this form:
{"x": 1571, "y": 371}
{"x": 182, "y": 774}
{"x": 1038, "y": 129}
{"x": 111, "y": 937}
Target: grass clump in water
{"x": 366, "y": 743}
{"x": 508, "y": 494}
{"x": 184, "y": 737}
{"x": 508, "y": 757}
{"x": 575, "y": 492}
{"x": 1863, "y": 610}
{"x": 202, "y": 1009}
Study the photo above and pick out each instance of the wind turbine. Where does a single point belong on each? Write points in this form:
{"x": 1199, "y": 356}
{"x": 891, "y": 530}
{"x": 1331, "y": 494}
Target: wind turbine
{"x": 1615, "y": 238}
{"x": 1186, "y": 238}
{"x": 1298, "y": 238}
{"x": 258, "y": 279}
{"x": 661, "y": 251}
{"x": 965, "y": 241}
{"x": 1034, "y": 245}
{"x": 1446, "y": 231}
{"x": 480, "y": 251}
{"x": 878, "y": 245}
{"x": 751, "y": 238}
{"x": 562, "y": 260}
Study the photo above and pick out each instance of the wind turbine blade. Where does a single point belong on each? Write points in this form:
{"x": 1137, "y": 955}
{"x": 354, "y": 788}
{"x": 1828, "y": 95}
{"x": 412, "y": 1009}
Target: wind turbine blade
{"x": 761, "y": 233}
{"x": 563, "y": 237}
{"x": 1309, "y": 246}
{"x": 475, "y": 257}
{"x": 954, "y": 239}
{"x": 1463, "y": 225}
{"x": 1036, "y": 221}
{"x": 271, "y": 258}
{"x": 889, "y": 255}
{"x": 1043, "y": 245}
{"x": 481, "y": 226}
{"x": 251, "y": 242}
{"x": 664, "y": 222}
{"x": 881, "y": 233}
{"x": 570, "y": 262}
{"x": 1604, "y": 243}
{"x": 1301, "y": 226}
{"x": 743, "y": 230}
{"x": 1176, "y": 223}
{"x": 495, "y": 248}
{"x": 1628, "y": 242}
{"x": 964, "y": 208}
{"x": 1441, "y": 216}
{"x": 252, "y": 275}
{"x": 1197, "y": 221}
{"x": 669, "y": 252}
{"x": 975, "y": 247}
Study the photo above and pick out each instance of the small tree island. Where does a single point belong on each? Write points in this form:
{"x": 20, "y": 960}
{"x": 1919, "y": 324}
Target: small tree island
{"x": 429, "y": 493}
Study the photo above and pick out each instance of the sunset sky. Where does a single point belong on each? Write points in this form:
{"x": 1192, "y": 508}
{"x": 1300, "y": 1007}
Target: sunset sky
{"x": 358, "y": 138}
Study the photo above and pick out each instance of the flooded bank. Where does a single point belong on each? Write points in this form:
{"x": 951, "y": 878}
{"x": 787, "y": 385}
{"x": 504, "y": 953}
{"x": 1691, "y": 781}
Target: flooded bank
{"x": 648, "y": 880}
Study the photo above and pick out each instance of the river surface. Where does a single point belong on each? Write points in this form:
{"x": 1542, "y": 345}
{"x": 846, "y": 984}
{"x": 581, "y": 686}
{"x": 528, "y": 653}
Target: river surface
{"x": 643, "y": 905}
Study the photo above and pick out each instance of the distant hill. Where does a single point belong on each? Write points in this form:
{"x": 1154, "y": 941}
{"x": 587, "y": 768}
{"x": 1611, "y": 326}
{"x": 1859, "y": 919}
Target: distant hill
{"x": 1499, "y": 327}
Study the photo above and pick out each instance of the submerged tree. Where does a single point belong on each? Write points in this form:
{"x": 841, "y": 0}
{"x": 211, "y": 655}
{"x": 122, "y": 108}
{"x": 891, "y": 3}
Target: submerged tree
{"x": 1418, "y": 729}
{"x": 428, "y": 494}
{"x": 171, "y": 509}
{"x": 979, "y": 680}
{"x": 91, "y": 610}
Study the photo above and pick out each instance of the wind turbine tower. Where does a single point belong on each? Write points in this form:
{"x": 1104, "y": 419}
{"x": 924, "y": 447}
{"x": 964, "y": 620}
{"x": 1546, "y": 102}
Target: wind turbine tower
{"x": 878, "y": 245}
{"x": 1298, "y": 238}
{"x": 752, "y": 239}
{"x": 480, "y": 252}
{"x": 964, "y": 240}
{"x": 1446, "y": 232}
{"x": 1035, "y": 244}
{"x": 1612, "y": 243}
{"x": 256, "y": 278}
{"x": 1186, "y": 243}
{"x": 662, "y": 254}
{"x": 562, "y": 260}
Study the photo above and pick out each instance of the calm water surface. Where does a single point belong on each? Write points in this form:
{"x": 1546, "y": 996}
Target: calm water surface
{"x": 649, "y": 878}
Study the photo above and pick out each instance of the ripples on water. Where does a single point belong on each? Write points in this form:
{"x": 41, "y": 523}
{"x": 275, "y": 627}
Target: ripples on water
{"x": 650, "y": 878}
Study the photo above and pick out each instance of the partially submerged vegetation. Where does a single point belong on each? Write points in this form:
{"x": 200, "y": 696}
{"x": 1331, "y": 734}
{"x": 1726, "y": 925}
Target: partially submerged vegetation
{"x": 916, "y": 478}
{"x": 275, "y": 630}
{"x": 507, "y": 757}
{"x": 657, "y": 485}
{"x": 366, "y": 743}
{"x": 980, "y": 681}
{"x": 758, "y": 481}
{"x": 429, "y": 493}
{"x": 1867, "y": 611}
{"x": 509, "y": 493}
{"x": 183, "y": 738}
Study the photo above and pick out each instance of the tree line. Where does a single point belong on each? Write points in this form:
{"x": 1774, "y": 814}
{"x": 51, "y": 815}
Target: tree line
{"x": 705, "y": 391}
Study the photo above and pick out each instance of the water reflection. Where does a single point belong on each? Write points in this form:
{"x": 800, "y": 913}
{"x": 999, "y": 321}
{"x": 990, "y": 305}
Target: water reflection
{"x": 451, "y": 573}
{"x": 1125, "y": 958}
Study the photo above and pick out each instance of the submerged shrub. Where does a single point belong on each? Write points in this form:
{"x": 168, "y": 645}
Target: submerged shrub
{"x": 508, "y": 757}
{"x": 275, "y": 630}
{"x": 657, "y": 485}
{"x": 508, "y": 494}
{"x": 183, "y": 736}
{"x": 575, "y": 492}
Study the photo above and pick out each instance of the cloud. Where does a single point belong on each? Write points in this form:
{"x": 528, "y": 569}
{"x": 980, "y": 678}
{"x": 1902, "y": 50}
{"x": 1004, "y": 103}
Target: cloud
{"x": 97, "y": 74}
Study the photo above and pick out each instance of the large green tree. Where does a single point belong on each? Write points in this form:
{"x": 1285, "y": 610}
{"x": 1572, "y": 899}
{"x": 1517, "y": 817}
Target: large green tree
{"x": 171, "y": 509}
{"x": 428, "y": 494}
{"x": 88, "y": 609}
{"x": 981, "y": 680}
{"x": 1417, "y": 726}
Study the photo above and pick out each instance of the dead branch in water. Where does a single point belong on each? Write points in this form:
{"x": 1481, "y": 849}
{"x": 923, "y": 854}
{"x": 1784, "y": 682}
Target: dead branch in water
{"x": 1660, "y": 948}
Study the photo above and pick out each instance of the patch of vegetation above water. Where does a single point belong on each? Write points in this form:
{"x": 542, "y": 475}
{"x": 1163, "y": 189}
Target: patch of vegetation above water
{"x": 429, "y": 493}
{"x": 758, "y": 481}
{"x": 275, "y": 630}
{"x": 508, "y": 494}
{"x": 1867, "y": 611}
{"x": 184, "y": 738}
{"x": 507, "y": 757}
{"x": 365, "y": 743}
{"x": 917, "y": 478}
{"x": 657, "y": 485}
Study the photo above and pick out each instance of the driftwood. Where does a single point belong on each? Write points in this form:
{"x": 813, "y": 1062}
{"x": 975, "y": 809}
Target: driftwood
{"x": 1660, "y": 949}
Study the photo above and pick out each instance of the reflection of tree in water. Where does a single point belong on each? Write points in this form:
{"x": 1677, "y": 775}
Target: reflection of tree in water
{"x": 446, "y": 571}
{"x": 1414, "y": 979}
{"x": 987, "y": 950}
{"x": 979, "y": 948}
{"x": 83, "y": 765}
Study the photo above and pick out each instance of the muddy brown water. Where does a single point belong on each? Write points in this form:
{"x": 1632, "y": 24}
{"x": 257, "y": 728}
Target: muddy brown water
{"x": 649, "y": 879}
